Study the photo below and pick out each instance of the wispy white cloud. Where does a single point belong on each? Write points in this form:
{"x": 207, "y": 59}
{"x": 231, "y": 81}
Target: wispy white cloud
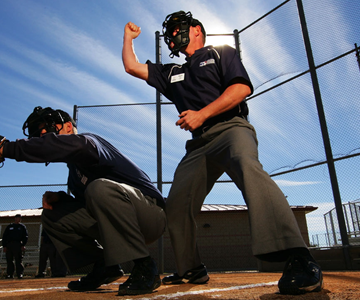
{"x": 333, "y": 38}
{"x": 281, "y": 182}
{"x": 87, "y": 59}
{"x": 81, "y": 47}
{"x": 63, "y": 77}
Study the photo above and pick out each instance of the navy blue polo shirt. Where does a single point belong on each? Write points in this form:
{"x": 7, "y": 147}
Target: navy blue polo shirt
{"x": 88, "y": 157}
{"x": 201, "y": 80}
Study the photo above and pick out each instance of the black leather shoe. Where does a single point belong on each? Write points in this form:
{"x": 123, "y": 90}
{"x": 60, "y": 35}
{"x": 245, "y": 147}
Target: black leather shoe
{"x": 173, "y": 279}
{"x": 197, "y": 275}
{"x": 144, "y": 279}
{"x": 301, "y": 275}
{"x": 124, "y": 286}
{"x": 40, "y": 275}
{"x": 96, "y": 278}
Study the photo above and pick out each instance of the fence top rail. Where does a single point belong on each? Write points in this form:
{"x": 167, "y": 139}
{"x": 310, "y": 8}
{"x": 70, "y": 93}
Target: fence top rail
{"x": 32, "y": 185}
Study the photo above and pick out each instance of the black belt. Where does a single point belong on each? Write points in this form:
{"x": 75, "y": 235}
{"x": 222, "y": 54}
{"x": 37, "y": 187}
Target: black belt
{"x": 207, "y": 125}
{"x": 199, "y": 131}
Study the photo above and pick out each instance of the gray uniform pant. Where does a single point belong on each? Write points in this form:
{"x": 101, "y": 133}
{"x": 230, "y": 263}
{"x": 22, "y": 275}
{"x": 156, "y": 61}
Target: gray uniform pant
{"x": 116, "y": 224}
{"x": 230, "y": 147}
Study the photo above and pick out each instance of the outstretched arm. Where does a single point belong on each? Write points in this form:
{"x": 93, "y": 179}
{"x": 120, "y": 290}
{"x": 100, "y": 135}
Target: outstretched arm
{"x": 68, "y": 148}
{"x": 130, "y": 61}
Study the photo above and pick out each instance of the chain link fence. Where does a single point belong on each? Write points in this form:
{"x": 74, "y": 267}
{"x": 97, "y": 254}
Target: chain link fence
{"x": 352, "y": 218}
{"x": 284, "y": 110}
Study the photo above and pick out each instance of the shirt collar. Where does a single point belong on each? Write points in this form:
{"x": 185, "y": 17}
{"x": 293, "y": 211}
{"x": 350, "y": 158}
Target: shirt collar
{"x": 198, "y": 52}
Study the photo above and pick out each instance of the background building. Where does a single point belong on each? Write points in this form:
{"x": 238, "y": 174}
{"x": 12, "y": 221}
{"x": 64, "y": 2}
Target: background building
{"x": 223, "y": 237}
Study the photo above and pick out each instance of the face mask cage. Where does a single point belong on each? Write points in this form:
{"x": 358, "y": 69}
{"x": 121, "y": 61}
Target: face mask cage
{"x": 179, "y": 20}
{"x": 42, "y": 118}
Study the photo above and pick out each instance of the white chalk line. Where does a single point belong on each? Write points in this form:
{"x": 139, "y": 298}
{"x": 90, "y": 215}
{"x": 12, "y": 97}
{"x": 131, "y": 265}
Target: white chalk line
{"x": 34, "y": 290}
{"x": 168, "y": 296}
{"x": 46, "y": 289}
{"x": 215, "y": 290}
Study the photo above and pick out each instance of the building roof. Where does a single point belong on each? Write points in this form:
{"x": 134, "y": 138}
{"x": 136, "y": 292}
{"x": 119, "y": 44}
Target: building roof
{"x": 205, "y": 208}
{"x": 34, "y": 212}
{"x": 228, "y": 207}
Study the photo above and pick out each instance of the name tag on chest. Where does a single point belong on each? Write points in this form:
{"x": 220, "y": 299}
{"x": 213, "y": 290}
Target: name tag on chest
{"x": 177, "y": 78}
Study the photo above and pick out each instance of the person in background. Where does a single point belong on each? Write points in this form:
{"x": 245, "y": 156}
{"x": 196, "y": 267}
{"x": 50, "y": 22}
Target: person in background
{"x": 49, "y": 252}
{"x": 14, "y": 240}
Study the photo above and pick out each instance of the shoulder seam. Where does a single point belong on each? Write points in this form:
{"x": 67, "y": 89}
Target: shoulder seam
{"x": 217, "y": 53}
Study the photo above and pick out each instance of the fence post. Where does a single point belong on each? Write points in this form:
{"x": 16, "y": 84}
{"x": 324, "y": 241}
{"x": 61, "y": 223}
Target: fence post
{"x": 325, "y": 135}
{"x": 75, "y": 114}
{"x": 357, "y": 53}
{"x": 357, "y": 222}
{"x": 159, "y": 148}
{"x": 75, "y": 118}
{"x": 237, "y": 42}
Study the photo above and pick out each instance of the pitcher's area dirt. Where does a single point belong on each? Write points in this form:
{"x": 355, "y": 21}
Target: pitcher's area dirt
{"x": 242, "y": 285}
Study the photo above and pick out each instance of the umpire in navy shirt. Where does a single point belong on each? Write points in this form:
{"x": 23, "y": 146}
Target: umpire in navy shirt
{"x": 115, "y": 210}
{"x": 209, "y": 92}
{"x": 14, "y": 240}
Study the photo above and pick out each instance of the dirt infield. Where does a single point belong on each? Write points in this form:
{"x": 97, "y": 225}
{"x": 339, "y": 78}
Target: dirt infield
{"x": 243, "y": 285}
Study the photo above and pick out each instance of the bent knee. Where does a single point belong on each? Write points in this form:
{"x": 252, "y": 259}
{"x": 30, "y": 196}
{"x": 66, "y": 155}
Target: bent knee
{"x": 95, "y": 189}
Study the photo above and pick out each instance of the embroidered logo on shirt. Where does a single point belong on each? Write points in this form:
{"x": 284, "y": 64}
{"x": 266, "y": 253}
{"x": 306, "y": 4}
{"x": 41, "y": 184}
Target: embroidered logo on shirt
{"x": 82, "y": 177}
{"x": 177, "y": 78}
{"x": 207, "y": 62}
{"x": 84, "y": 180}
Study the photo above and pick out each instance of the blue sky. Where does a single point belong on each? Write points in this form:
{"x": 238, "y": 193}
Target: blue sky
{"x": 66, "y": 53}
